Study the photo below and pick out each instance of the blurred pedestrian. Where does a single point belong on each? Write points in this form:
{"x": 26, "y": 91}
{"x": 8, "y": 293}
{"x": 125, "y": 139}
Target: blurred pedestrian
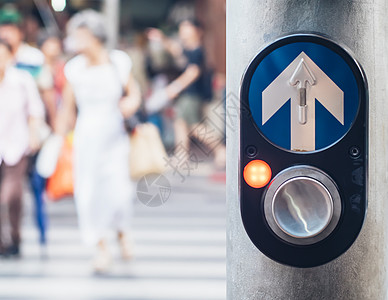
{"x": 50, "y": 82}
{"x": 30, "y": 59}
{"x": 101, "y": 87}
{"x": 51, "y": 79}
{"x": 21, "y": 112}
{"x": 186, "y": 89}
{"x": 25, "y": 56}
{"x": 161, "y": 69}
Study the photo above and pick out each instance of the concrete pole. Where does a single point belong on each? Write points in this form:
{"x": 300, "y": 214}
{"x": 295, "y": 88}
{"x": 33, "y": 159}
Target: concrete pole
{"x": 111, "y": 10}
{"x": 360, "y": 273}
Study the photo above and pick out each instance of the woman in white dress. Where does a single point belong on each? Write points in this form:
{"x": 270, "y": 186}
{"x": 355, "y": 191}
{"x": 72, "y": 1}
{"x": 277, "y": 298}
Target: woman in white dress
{"x": 97, "y": 79}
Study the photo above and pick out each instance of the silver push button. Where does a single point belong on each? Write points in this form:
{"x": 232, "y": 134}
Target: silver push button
{"x": 302, "y": 205}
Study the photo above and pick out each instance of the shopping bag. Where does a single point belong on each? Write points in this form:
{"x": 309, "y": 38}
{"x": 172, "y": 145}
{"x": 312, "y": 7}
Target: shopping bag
{"x": 60, "y": 183}
{"x": 47, "y": 159}
{"x": 147, "y": 153}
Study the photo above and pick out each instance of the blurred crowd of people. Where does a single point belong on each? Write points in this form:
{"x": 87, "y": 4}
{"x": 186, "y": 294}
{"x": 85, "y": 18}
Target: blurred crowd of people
{"x": 90, "y": 90}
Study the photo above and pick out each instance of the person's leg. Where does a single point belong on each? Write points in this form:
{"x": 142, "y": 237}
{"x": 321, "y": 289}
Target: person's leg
{"x": 181, "y": 132}
{"x": 188, "y": 113}
{"x": 38, "y": 185}
{"x": 103, "y": 258}
{"x": 125, "y": 248}
{"x": 198, "y": 131}
{"x": 11, "y": 193}
{"x": 207, "y": 134}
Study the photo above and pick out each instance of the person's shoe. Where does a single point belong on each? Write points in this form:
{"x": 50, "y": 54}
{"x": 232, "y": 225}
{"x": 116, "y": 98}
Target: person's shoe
{"x": 12, "y": 251}
{"x": 102, "y": 260}
{"x": 2, "y": 251}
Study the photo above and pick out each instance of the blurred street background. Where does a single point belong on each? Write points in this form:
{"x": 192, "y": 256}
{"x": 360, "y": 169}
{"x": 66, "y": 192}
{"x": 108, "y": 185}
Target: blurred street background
{"x": 177, "y": 235}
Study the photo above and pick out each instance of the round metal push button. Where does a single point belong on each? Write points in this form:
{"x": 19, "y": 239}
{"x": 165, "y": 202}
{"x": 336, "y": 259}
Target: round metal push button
{"x": 302, "y": 205}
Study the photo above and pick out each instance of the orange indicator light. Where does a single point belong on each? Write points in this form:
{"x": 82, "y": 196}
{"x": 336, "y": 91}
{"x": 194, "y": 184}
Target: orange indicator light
{"x": 257, "y": 173}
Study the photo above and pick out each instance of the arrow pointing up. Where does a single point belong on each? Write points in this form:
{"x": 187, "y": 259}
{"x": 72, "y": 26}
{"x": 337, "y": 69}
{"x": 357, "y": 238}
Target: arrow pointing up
{"x": 301, "y": 77}
{"x": 303, "y": 82}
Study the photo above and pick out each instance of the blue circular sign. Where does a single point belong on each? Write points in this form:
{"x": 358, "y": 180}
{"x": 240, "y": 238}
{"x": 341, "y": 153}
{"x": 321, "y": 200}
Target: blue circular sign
{"x": 303, "y": 95}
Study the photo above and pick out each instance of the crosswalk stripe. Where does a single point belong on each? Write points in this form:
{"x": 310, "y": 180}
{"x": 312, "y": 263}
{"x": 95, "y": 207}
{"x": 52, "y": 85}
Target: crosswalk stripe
{"x": 179, "y": 253}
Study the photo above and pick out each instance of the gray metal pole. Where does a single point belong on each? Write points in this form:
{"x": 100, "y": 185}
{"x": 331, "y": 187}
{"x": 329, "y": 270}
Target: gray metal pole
{"x": 360, "y": 273}
{"x": 111, "y": 10}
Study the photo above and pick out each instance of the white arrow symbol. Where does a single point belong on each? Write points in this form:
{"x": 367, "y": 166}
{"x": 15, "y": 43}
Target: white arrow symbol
{"x": 301, "y": 77}
{"x": 303, "y": 82}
